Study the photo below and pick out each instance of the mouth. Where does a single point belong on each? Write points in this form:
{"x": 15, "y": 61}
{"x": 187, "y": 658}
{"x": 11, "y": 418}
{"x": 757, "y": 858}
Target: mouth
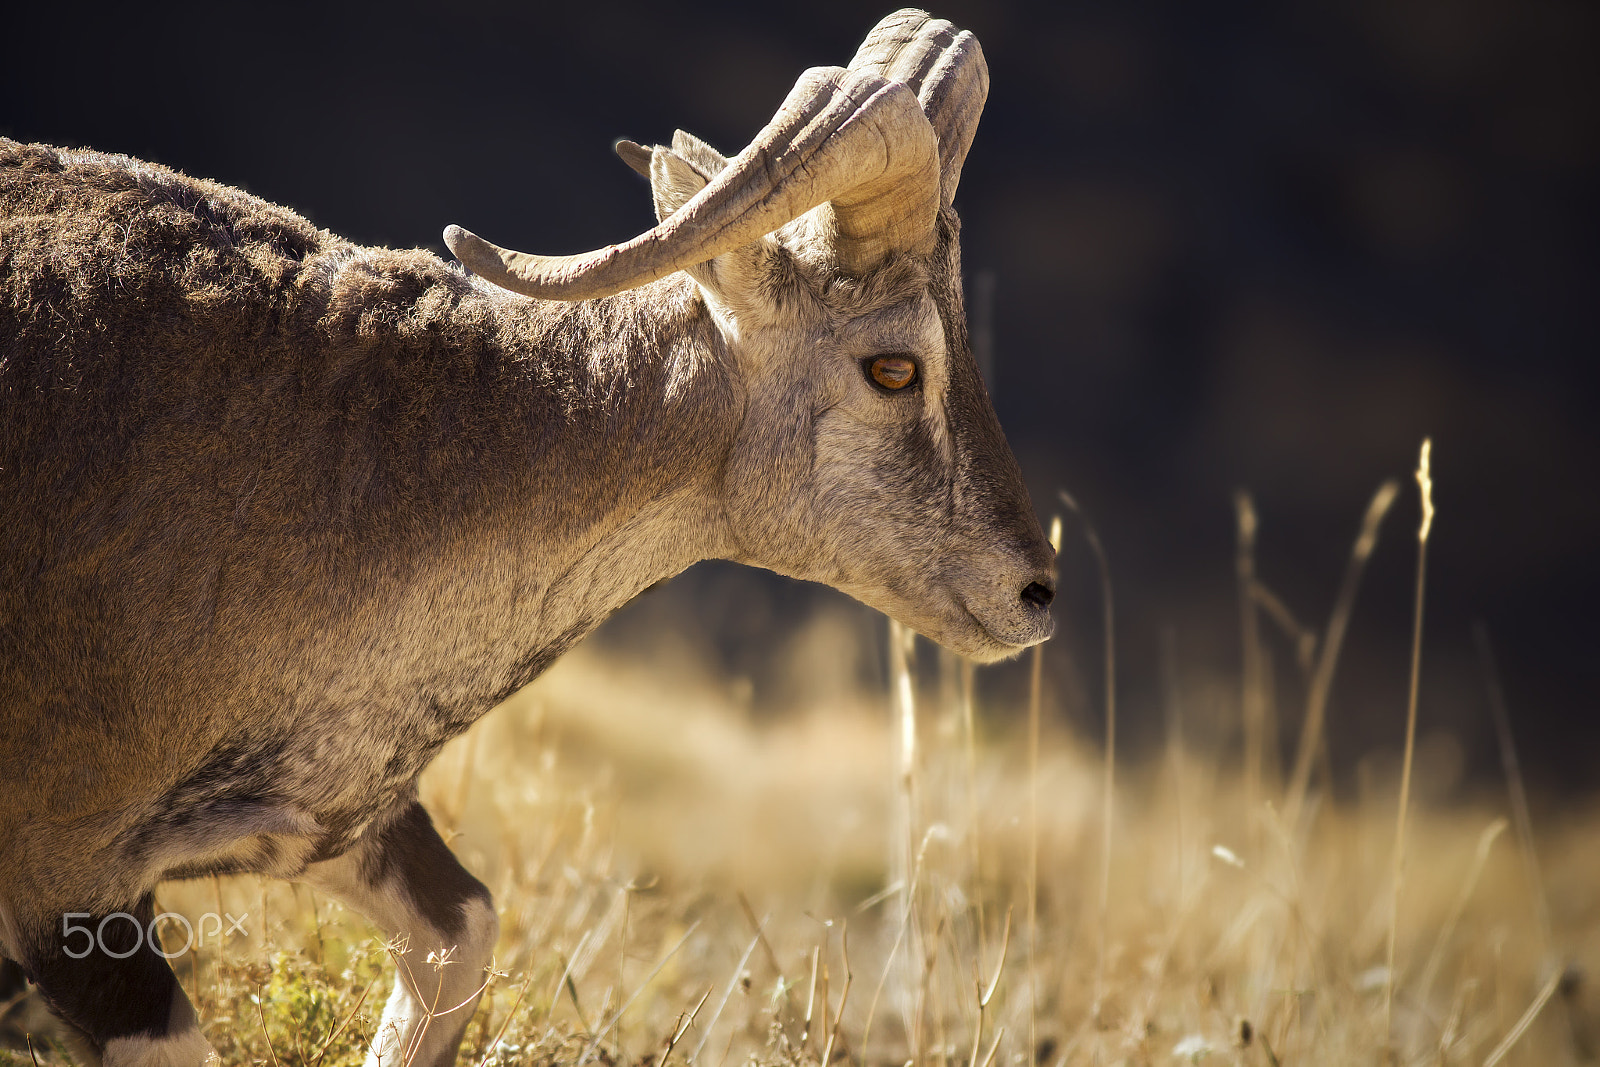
{"x": 984, "y": 635}
{"x": 1002, "y": 646}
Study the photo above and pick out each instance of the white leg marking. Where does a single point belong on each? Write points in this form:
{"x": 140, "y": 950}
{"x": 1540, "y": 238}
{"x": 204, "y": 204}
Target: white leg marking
{"x": 432, "y": 1002}
{"x": 174, "y": 1050}
{"x": 182, "y": 1046}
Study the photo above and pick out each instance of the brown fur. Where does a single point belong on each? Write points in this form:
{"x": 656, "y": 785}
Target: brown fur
{"x": 218, "y": 417}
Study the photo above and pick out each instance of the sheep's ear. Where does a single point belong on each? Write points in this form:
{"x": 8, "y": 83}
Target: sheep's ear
{"x": 675, "y": 173}
{"x": 673, "y": 181}
{"x": 699, "y": 155}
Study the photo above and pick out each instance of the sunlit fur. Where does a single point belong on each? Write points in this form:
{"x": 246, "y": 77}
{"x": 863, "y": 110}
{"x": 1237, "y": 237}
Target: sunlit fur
{"x": 282, "y": 515}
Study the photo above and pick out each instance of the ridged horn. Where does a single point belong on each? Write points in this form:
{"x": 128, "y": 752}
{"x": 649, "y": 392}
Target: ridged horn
{"x": 851, "y": 137}
{"x": 945, "y": 68}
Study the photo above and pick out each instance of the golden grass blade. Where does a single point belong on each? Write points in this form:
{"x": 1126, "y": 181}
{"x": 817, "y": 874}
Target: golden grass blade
{"x": 1035, "y": 698}
{"x": 974, "y": 832}
{"x": 640, "y": 988}
{"x": 1108, "y": 625}
{"x": 903, "y": 830}
{"x": 1397, "y": 875}
{"x": 844, "y": 994}
{"x": 362, "y": 999}
{"x": 988, "y": 1060}
{"x": 811, "y": 997}
{"x": 899, "y": 939}
{"x": 727, "y": 993}
{"x": 684, "y": 1022}
{"x": 499, "y": 1034}
{"x": 760, "y": 934}
{"x": 1480, "y": 858}
{"x": 1518, "y": 792}
{"x": 1253, "y": 699}
{"x": 1303, "y": 639}
{"x": 565, "y": 982}
{"x": 1328, "y": 658}
{"x": 986, "y": 993}
{"x": 262, "y": 1015}
{"x": 1526, "y": 1021}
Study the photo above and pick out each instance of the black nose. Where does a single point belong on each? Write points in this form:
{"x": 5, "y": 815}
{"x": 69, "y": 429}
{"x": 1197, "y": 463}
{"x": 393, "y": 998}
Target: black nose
{"x": 1038, "y": 594}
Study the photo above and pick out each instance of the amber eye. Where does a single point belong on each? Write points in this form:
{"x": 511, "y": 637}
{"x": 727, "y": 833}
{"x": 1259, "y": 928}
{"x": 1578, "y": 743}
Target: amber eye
{"x": 892, "y": 372}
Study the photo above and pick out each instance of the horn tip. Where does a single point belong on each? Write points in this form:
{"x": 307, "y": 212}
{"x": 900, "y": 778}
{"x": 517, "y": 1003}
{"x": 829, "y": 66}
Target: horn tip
{"x": 472, "y": 251}
{"x": 455, "y": 237}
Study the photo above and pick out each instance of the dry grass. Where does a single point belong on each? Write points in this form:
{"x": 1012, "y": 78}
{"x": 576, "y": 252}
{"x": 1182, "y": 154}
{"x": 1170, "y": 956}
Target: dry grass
{"x": 680, "y": 882}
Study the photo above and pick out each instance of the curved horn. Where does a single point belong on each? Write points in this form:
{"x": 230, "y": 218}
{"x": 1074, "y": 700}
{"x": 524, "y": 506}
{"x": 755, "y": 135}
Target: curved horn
{"x": 851, "y": 137}
{"x": 945, "y": 68}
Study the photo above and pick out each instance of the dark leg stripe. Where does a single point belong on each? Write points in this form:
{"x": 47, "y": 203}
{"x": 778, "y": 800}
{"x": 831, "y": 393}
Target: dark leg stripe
{"x": 410, "y": 852}
{"x": 105, "y": 997}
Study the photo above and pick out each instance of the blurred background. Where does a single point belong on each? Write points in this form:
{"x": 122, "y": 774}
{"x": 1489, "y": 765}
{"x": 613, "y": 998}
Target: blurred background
{"x": 1217, "y": 247}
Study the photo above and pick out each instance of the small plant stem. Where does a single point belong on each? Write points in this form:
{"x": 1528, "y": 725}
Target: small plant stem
{"x": 930, "y": 961}
{"x": 594, "y": 1043}
{"x": 1174, "y": 717}
{"x": 1486, "y": 841}
{"x": 902, "y": 650}
{"x": 1526, "y": 1021}
{"x": 684, "y": 1022}
{"x": 348, "y": 1019}
{"x": 1328, "y": 657}
{"x": 622, "y": 955}
{"x": 1035, "y": 684}
{"x": 504, "y": 1026}
{"x": 1425, "y": 484}
{"x": 727, "y": 993}
{"x": 261, "y": 1014}
{"x": 998, "y": 1035}
{"x": 894, "y": 950}
{"x": 1108, "y": 799}
{"x": 756, "y": 927}
{"x": 1252, "y": 689}
{"x": 1035, "y": 699}
{"x": 968, "y": 677}
{"x": 986, "y": 993}
{"x": 1520, "y": 814}
{"x": 844, "y": 995}
{"x": 565, "y": 982}
{"x": 811, "y": 997}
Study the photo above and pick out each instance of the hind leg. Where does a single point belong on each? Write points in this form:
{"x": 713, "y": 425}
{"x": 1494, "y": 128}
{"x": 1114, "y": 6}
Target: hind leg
{"x": 404, "y": 878}
{"x": 12, "y": 982}
{"x": 115, "y": 990}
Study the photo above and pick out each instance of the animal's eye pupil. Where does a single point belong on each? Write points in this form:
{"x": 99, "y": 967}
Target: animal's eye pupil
{"x": 893, "y": 372}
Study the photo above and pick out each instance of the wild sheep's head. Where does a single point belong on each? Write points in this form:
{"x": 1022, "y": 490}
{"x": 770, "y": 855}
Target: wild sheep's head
{"x": 869, "y": 457}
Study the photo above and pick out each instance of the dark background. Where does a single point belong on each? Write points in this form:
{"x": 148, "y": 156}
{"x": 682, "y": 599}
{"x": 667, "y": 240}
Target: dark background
{"x": 1266, "y": 246}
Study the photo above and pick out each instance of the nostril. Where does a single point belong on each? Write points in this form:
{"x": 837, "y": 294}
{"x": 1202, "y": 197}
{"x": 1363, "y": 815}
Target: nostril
{"x": 1038, "y": 594}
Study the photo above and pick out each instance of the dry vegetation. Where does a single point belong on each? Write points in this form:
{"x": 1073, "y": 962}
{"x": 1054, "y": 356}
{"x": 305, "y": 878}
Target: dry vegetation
{"x": 680, "y": 882}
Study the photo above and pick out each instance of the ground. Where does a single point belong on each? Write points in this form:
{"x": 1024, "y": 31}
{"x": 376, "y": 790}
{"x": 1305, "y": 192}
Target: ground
{"x": 683, "y": 877}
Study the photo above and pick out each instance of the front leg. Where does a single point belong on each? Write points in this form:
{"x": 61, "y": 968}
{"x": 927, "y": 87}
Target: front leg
{"x": 404, "y": 878}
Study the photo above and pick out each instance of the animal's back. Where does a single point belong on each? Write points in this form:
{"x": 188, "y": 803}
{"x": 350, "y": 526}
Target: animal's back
{"x": 124, "y": 289}
{"x": 128, "y": 293}
{"x": 257, "y": 482}
{"x": 203, "y": 397}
